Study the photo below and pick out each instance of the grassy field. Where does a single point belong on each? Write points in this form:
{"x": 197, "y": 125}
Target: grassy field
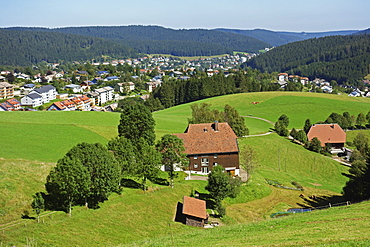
{"x": 344, "y": 226}
{"x": 33, "y": 141}
{"x": 47, "y": 136}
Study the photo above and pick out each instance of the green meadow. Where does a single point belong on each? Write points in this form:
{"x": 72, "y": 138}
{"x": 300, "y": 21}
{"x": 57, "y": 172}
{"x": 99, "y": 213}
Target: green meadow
{"x": 32, "y": 142}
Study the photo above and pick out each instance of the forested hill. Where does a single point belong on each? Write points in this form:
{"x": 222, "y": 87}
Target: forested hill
{"x": 341, "y": 58}
{"x": 25, "y": 48}
{"x": 156, "y": 39}
{"x": 281, "y": 38}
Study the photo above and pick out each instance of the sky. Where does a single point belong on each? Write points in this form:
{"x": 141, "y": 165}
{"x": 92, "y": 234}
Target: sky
{"x": 275, "y": 15}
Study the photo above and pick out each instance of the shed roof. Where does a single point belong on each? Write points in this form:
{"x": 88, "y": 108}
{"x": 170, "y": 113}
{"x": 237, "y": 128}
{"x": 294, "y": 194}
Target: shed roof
{"x": 194, "y": 207}
{"x": 205, "y": 139}
{"x": 327, "y": 133}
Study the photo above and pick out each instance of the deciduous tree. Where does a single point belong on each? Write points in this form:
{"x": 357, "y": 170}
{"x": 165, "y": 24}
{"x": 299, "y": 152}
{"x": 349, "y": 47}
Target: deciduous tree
{"x": 173, "y": 154}
{"x": 137, "y": 122}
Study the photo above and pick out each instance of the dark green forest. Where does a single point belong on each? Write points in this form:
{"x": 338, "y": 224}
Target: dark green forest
{"x": 276, "y": 38}
{"x": 156, "y": 40}
{"x": 345, "y": 59}
{"x": 183, "y": 91}
{"x": 25, "y": 48}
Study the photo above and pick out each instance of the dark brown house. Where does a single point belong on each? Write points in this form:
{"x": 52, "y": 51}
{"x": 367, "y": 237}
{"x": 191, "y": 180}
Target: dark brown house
{"x": 194, "y": 211}
{"x": 211, "y": 144}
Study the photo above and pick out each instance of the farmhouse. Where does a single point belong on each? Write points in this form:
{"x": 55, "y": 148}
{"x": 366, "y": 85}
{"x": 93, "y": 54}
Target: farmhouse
{"x": 211, "y": 144}
{"x": 194, "y": 211}
{"x": 331, "y": 134}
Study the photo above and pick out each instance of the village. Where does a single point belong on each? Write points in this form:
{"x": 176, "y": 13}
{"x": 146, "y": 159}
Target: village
{"x": 105, "y": 83}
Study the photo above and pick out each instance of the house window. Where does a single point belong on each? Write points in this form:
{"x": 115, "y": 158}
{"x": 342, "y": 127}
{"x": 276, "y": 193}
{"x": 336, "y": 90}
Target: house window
{"x": 215, "y": 156}
{"x": 195, "y": 165}
{"x": 204, "y": 161}
{"x": 195, "y": 157}
{"x": 215, "y": 164}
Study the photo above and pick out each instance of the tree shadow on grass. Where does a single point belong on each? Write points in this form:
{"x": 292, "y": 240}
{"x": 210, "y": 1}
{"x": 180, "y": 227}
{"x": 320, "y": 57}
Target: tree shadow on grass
{"x": 160, "y": 181}
{"x": 129, "y": 183}
{"x": 210, "y": 204}
{"x": 323, "y": 201}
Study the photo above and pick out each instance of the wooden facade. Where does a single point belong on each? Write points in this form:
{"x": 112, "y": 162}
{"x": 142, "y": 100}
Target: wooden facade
{"x": 211, "y": 144}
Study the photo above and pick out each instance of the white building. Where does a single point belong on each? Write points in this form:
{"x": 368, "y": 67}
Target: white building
{"x": 105, "y": 94}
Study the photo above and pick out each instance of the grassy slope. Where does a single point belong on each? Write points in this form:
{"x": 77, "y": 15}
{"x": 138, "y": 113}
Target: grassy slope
{"x": 47, "y": 136}
{"x": 296, "y": 164}
{"x": 344, "y": 226}
{"x": 297, "y": 106}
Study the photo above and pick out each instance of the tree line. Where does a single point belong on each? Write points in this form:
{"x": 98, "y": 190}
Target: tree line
{"x": 199, "y": 87}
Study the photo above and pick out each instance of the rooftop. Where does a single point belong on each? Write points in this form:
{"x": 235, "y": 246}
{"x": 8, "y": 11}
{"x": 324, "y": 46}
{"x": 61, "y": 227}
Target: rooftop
{"x": 194, "y": 207}
{"x": 209, "y": 138}
{"x": 327, "y": 133}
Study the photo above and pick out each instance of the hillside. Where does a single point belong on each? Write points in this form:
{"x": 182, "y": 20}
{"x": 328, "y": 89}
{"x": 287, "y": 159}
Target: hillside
{"x": 344, "y": 59}
{"x": 25, "y": 48}
{"x": 160, "y": 40}
{"x": 276, "y": 38}
{"x": 146, "y": 218}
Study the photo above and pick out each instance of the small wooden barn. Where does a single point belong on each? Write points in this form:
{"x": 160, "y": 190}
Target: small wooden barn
{"x": 194, "y": 211}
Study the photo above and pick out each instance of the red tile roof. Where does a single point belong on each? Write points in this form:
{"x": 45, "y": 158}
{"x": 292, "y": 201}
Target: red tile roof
{"x": 194, "y": 207}
{"x": 327, "y": 133}
{"x": 203, "y": 139}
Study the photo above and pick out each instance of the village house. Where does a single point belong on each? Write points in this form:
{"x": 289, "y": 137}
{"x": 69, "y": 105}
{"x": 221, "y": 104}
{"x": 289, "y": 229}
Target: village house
{"x": 101, "y": 95}
{"x": 39, "y": 96}
{"x": 124, "y": 86}
{"x": 211, "y": 144}
{"x": 6, "y": 90}
{"x": 82, "y": 103}
{"x": 194, "y": 211}
{"x": 74, "y": 88}
{"x": 10, "y": 105}
{"x": 328, "y": 134}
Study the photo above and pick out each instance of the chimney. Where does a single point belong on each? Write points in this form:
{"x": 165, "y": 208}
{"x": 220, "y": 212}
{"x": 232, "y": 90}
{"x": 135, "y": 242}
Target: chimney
{"x": 216, "y": 126}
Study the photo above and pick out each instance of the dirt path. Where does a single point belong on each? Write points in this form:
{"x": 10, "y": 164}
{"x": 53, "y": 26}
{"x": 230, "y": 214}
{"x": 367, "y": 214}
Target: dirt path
{"x": 268, "y": 121}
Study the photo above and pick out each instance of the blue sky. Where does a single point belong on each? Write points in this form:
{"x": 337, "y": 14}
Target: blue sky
{"x": 276, "y": 15}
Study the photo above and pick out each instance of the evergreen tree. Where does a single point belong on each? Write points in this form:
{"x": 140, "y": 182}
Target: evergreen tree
{"x": 284, "y": 120}
{"x": 307, "y": 125}
{"x": 293, "y": 133}
{"x": 38, "y": 204}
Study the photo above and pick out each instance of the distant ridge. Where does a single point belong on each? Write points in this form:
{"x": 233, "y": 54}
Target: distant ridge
{"x": 344, "y": 59}
{"x": 277, "y": 38}
{"x": 156, "y": 39}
